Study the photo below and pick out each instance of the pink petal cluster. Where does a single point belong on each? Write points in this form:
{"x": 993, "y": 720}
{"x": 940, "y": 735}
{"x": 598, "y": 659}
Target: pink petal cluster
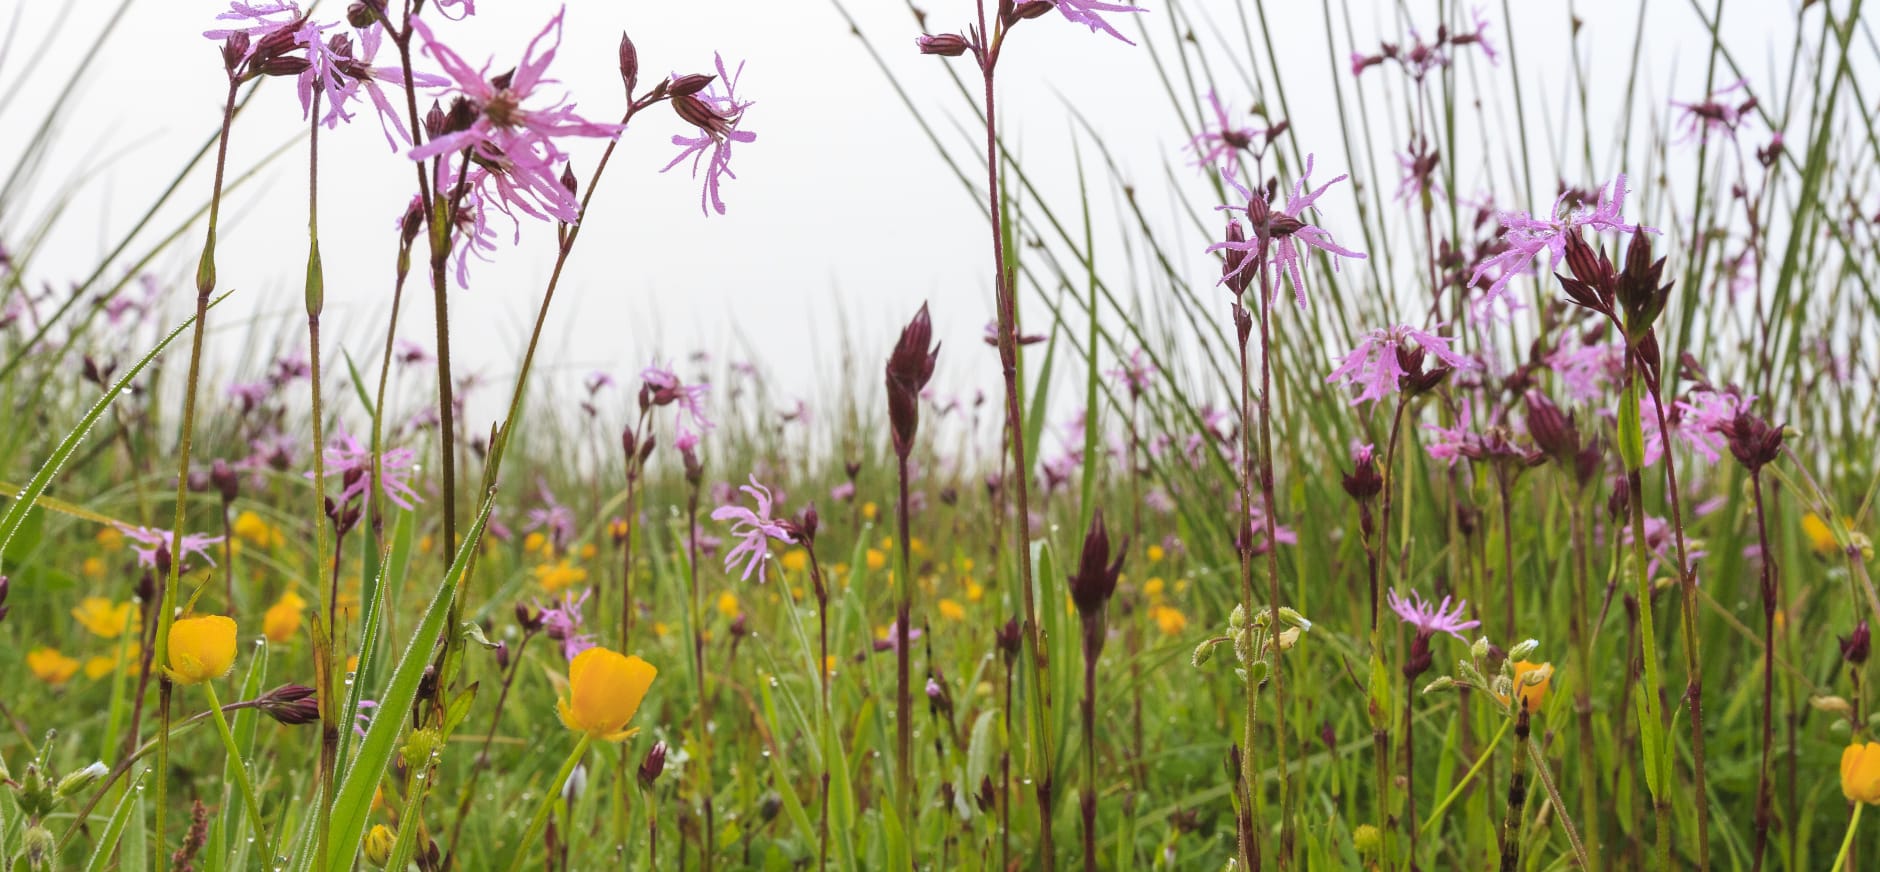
{"x": 710, "y": 150}
{"x": 754, "y": 529}
{"x": 1373, "y": 367}
{"x": 1288, "y": 238}
{"x": 509, "y": 138}
{"x": 1430, "y": 619}
{"x": 1085, "y": 12}
{"x": 1528, "y": 236}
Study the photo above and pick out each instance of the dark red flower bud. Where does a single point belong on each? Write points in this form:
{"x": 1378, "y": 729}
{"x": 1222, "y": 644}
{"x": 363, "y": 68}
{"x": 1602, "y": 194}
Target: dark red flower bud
{"x": 1856, "y": 645}
{"x": 909, "y": 367}
{"x": 1032, "y": 9}
{"x": 1753, "y": 441}
{"x": 1095, "y": 580}
{"x": 950, "y": 45}
{"x": 1554, "y": 431}
{"x": 629, "y": 64}
{"x": 652, "y": 765}
{"x": 226, "y": 482}
{"x": 291, "y": 704}
{"x": 686, "y": 86}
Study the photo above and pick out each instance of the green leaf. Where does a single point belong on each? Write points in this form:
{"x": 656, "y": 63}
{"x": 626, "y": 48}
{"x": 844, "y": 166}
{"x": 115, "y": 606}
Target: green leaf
{"x": 353, "y": 803}
{"x": 114, "y": 829}
{"x": 1631, "y": 432}
{"x": 16, "y": 513}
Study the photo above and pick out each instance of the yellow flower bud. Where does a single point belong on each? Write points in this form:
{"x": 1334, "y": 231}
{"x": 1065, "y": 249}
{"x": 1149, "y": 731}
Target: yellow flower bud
{"x": 379, "y": 844}
{"x": 604, "y": 691}
{"x": 202, "y": 648}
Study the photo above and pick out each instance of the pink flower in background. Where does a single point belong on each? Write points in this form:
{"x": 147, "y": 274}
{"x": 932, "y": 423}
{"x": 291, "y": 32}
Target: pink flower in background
{"x": 553, "y": 517}
{"x": 717, "y": 117}
{"x": 1450, "y": 443}
{"x": 152, "y": 539}
{"x": 1221, "y": 146}
{"x": 1714, "y": 115}
{"x": 754, "y": 529}
{"x": 1136, "y": 373}
{"x": 1291, "y": 238}
{"x": 349, "y": 461}
{"x": 1528, "y": 236}
{"x": 1374, "y": 367}
{"x": 1587, "y": 370}
{"x": 469, "y": 8}
{"x": 1085, "y": 12}
{"x": 562, "y": 622}
{"x": 1430, "y": 619}
{"x": 663, "y": 387}
{"x": 513, "y": 142}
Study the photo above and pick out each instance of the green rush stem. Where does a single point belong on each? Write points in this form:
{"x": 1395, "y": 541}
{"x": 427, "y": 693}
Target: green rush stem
{"x": 375, "y": 512}
{"x": 698, "y": 667}
{"x": 255, "y": 821}
{"x": 822, "y": 685}
{"x": 1648, "y": 645}
{"x": 205, "y": 282}
{"x": 549, "y": 795}
{"x": 1455, "y": 793}
{"x": 1847, "y": 841}
{"x": 1582, "y": 691}
{"x": 1765, "y": 795}
{"x": 1088, "y": 800}
{"x": 1553, "y": 795}
{"x": 331, "y": 700}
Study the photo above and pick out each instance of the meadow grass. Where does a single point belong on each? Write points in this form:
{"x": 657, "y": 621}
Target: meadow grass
{"x": 1535, "y": 535}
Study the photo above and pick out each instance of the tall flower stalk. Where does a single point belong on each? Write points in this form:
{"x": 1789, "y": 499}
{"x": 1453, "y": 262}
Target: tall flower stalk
{"x": 1091, "y": 588}
{"x": 909, "y": 368}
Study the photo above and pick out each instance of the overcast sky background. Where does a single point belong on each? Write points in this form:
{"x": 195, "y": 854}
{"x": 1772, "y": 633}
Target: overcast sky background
{"x": 841, "y": 206}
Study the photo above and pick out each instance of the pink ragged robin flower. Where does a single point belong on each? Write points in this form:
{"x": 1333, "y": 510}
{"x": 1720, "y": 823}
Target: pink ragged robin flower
{"x": 349, "y": 461}
{"x": 1374, "y": 367}
{"x": 513, "y": 141}
{"x": 1528, "y": 236}
{"x": 1432, "y": 618}
{"x": 754, "y": 529}
{"x": 1221, "y": 144}
{"x": 1715, "y": 113}
{"x": 1282, "y": 237}
{"x": 717, "y": 117}
{"x": 661, "y": 386}
{"x": 196, "y": 544}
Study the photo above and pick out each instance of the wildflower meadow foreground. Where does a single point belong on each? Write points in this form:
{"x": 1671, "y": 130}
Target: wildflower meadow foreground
{"x": 1377, "y": 488}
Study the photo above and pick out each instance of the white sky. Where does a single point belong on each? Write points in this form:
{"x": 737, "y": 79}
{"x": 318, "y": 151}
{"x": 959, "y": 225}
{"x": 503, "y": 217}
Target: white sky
{"x": 841, "y": 204}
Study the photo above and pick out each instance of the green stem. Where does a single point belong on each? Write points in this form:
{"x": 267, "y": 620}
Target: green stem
{"x": 540, "y": 819}
{"x": 240, "y": 768}
{"x": 1847, "y": 841}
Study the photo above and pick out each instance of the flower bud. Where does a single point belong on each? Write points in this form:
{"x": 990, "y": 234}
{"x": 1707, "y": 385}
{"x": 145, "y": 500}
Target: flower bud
{"x": 910, "y": 365}
{"x": 945, "y": 44}
{"x": 652, "y": 765}
{"x": 629, "y": 64}
{"x": 379, "y": 842}
{"x": 686, "y": 86}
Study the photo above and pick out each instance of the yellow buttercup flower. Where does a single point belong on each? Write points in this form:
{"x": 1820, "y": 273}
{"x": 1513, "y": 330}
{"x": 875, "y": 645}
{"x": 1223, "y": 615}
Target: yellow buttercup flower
{"x": 728, "y": 604}
{"x": 1860, "y": 772}
{"x": 555, "y": 576}
{"x": 795, "y": 560}
{"x": 1171, "y": 620}
{"x": 93, "y": 567}
{"x": 251, "y": 528}
{"x": 534, "y": 542}
{"x": 870, "y": 510}
{"x": 951, "y": 610}
{"x": 1153, "y": 588}
{"x": 877, "y": 560}
{"x": 604, "y": 691}
{"x": 282, "y": 620}
{"x": 110, "y": 539}
{"x": 1156, "y": 554}
{"x": 202, "y": 648}
{"x": 103, "y": 618}
{"x": 974, "y": 591}
{"x": 51, "y": 667}
{"x": 103, "y": 665}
